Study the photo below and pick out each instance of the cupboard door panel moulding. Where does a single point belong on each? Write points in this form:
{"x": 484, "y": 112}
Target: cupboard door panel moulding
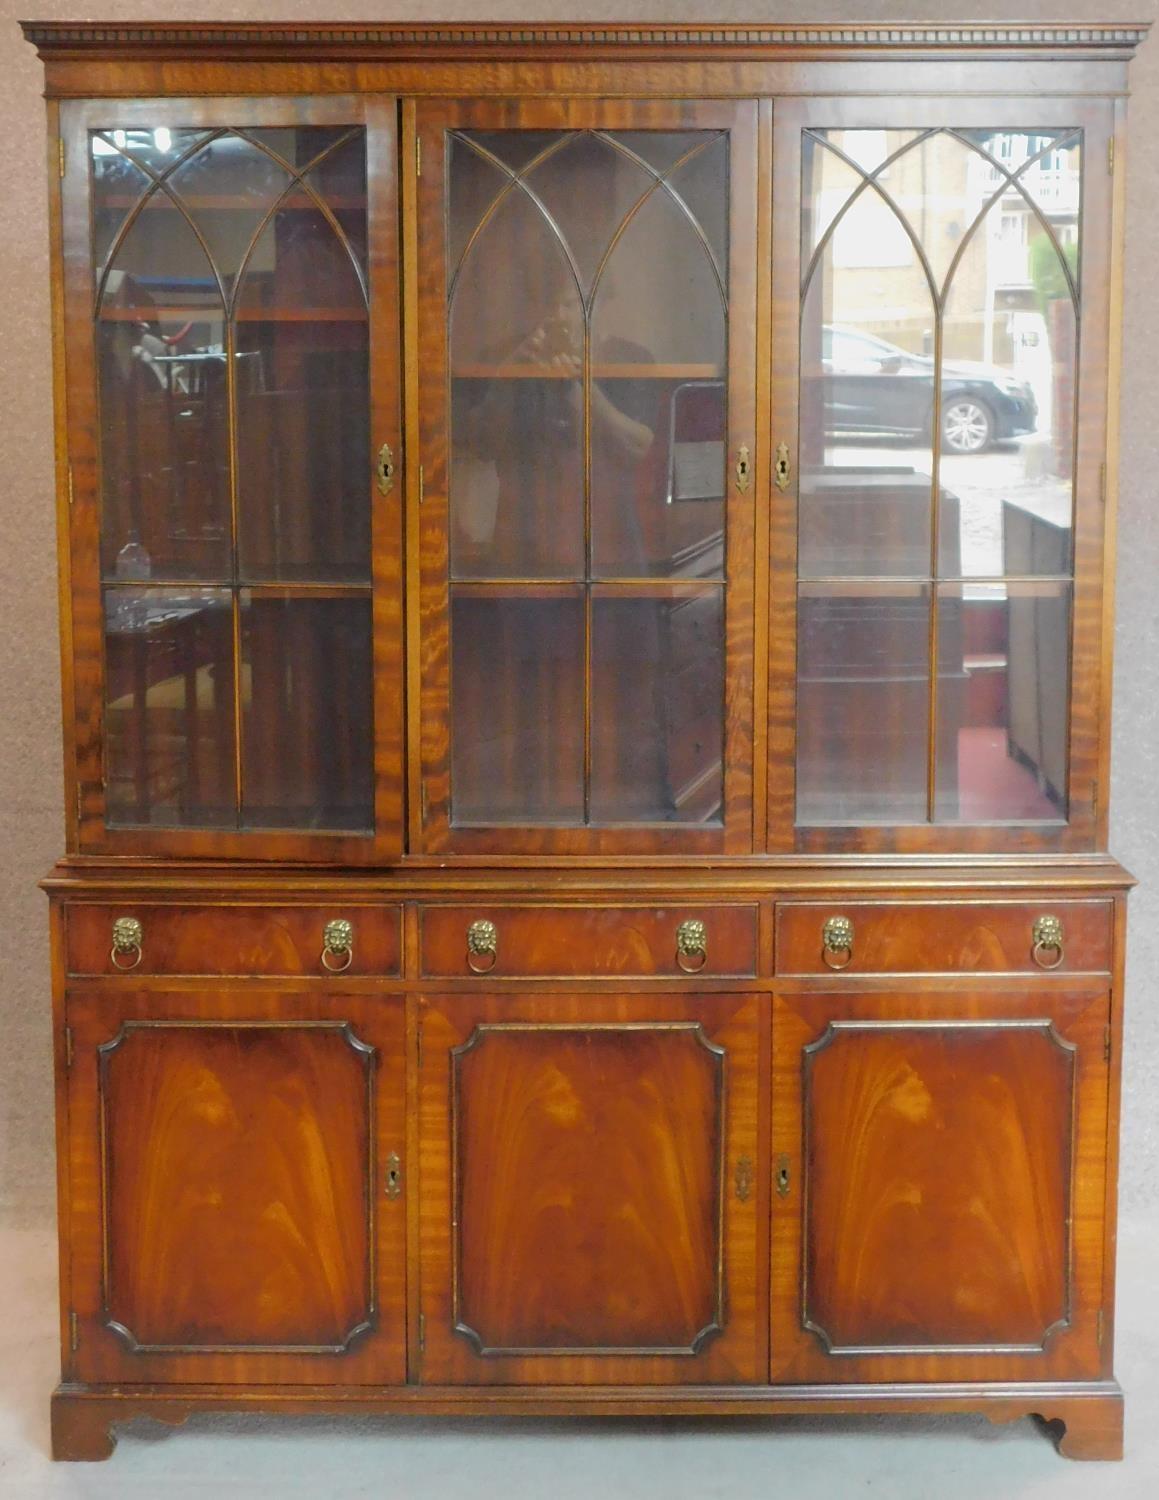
{"x": 227, "y": 1160}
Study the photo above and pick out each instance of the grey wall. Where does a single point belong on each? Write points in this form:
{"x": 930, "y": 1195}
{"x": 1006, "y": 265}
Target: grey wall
{"x": 30, "y": 795}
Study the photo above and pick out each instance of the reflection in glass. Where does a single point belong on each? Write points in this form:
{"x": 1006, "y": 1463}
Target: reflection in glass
{"x": 587, "y": 292}
{"x": 862, "y": 703}
{"x": 169, "y": 707}
{"x": 939, "y": 337}
{"x": 657, "y": 694}
{"x": 1003, "y": 689}
{"x": 306, "y": 706}
{"x": 517, "y": 725}
{"x": 231, "y": 312}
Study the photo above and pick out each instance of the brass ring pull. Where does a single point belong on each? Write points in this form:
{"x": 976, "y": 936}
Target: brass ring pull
{"x": 691, "y": 946}
{"x": 337, "y": 946}
{"x": 482, "y": 946}
{"x": 837, "y": 942}
{"x": 127, "y": 938}
{"x": 1046, "y": 933}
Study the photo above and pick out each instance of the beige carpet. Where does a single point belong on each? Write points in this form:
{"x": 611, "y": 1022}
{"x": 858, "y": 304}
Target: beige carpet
{"x": 961, "y": 1458}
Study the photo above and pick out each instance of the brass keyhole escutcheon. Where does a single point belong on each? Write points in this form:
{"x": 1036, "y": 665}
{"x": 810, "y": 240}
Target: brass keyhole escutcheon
{"x": 782, "y": 468}
{"x": 782, "y": 1176}
{"x": 384, "y": 469}
{"x": 393, "y": 1175}
{"x": 744, "y": 470}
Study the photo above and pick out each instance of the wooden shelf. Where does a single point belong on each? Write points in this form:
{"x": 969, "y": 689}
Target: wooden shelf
{"x": 599, "y": 372}
{"x": 171, "y": 314}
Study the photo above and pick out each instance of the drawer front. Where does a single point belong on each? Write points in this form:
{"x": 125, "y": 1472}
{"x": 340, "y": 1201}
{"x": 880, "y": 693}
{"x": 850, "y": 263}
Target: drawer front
{"x": 575, "y": 942}
{"x": 236, "y": 940}
{"x": 900, "y": 937}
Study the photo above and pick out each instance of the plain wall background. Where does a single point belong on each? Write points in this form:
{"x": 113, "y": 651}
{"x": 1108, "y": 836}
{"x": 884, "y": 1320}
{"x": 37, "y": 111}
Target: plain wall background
{"x": 31, "y": 818}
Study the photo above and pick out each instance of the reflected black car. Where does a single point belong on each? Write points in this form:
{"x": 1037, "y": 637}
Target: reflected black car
{"x": 873, "y": 388}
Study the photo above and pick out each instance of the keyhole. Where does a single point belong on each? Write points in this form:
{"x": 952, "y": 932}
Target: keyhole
{"x": 783, "y": 1176}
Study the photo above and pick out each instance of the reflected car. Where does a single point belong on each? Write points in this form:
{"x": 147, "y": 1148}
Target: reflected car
{"x": 874, "y": 389}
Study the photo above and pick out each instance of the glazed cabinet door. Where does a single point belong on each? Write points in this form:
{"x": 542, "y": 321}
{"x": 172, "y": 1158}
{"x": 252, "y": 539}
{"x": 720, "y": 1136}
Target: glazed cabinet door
{"x": 234, "y": 526}
{"x": 591, "y": 1208}
{"x": 942, "y": 305}
{"x": 939, "y": 1166}
{"x": 236, "y": 1187}
{"x": 583, "y": 504}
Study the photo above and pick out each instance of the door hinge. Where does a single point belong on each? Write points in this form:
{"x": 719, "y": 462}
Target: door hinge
{"x": 422, "y": 485}
{"x": 60, "y": 154}
{"x": 73, "y": 1332}
{"x": 68, "y": 1047}
{"x": 423, "y": 800}
{"x": 422, "y": 1333}
{"x": 418, "y": 156}
{"x": 80, "y": 797}
{"x": 420, "y": 1045}
{"x": 1103, "y": 483}
{"x": 1099, "y": 1320}
{"x": 1107, "y": 1043}
{"x": 1111, "y": 156}
{"x": 71, "y": 493}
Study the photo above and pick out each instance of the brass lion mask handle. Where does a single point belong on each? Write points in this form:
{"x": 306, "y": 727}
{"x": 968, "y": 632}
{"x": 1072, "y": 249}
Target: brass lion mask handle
{"x": 482, "y": 946}
{"x": 128, "y": 936}
{"x": 338, "y": 945}
{"x": 692, "y": 946}
{"x": 837, "y": 942}
{"x": 1046, "y": 936}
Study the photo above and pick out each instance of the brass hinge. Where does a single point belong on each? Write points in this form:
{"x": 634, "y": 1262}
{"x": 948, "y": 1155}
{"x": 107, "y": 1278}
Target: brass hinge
{"x": 1099, "y": 1326}
{"x": 1111, "y": 156}
{"x": 420, "y": 1045}
{"x": 73, "y": 1332}
{"x": 422, "y": 485}
{"x": 60, "y": 154}
{"x": 418, "y": 156}
{"x": 70, "y": 488}
{"x": 1103, "y": 483}
{"x": 1107, "y": 1043}
{"x": 68, "y": 1047}
{"x": 423, "y": 800}
{"x": 80, "y": 795}
{"x": 422, "y": 1333}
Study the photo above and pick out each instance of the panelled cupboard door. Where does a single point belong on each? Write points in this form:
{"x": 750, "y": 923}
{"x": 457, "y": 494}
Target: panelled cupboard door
{"x": 591, "y": 1209}
{"x": 940, "y": 1168}
{"x": 583, "y": 502}
{"x": 941, "y": 294}
{"x": 235, "y": 526}
{"x": 236, "y": 1187}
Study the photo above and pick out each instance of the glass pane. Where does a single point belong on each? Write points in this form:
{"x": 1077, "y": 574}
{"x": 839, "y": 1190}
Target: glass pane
{"x": 658, "y": 708}
{"x": 303, "y": 401}
{"x": 1010, "y": 353}
{"x": 832, "y": 180}
{"x": 862, "y": 703}
{"x": 516, "y": 356}
{"x": 1003, "y": 694}
{"x": 307, "y": 706}
{"x": 658, "y": 415}
{"x": 169, "y": 707}
{"x": 867, "y": 336}
{"x": 164, "y": 422}
{"x": 228, "y": 187}
{"x": 517, "y": 721}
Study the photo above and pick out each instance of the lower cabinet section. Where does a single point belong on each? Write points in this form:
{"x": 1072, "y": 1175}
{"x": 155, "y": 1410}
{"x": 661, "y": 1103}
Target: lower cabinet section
{"x": 590, "y": 1205}
{"x": 235, "y": 1169}
{"x": 941, "y": 1171}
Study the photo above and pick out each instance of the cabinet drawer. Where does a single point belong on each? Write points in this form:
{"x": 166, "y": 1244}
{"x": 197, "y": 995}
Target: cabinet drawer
{"x": 987, "y": 937}
{"x": 569, "y": 942}
{"x": 235, "y": 940}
